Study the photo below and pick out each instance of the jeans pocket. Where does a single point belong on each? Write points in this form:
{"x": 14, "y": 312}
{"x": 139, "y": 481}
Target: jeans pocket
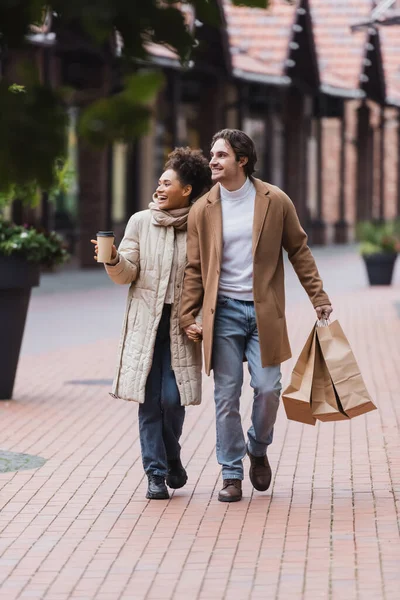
{"x": 222, "y": 301}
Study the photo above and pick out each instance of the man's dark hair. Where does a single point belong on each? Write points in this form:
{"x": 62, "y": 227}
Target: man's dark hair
{"x": 242, "y": 145}
{"x": 192, "y": 168}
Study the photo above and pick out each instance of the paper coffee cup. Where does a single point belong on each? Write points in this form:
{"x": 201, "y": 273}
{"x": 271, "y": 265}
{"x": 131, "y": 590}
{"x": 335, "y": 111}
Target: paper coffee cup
{"x": 105, "y": 241}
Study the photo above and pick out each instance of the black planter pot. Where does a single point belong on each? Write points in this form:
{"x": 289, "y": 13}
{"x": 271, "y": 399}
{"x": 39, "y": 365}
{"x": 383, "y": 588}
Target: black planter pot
{"x": 17, "y": 278}
{"x": 380, "y": 268}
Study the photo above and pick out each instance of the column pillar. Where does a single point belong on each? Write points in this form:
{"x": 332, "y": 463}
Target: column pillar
{"x": 94, "y": 175}
{"x": 363, "y": 182}
{"x": 211, "y": 113}
{"x": 94, "y": 164}
{"x": 295, "y": 161}
{"x": 341, "y": 226}
{"x": 243, "y": 103}
{"x": 231, "y": 108}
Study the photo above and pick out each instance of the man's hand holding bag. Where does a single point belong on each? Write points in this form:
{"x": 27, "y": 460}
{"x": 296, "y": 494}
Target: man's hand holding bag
{"x": 326, "y": 382}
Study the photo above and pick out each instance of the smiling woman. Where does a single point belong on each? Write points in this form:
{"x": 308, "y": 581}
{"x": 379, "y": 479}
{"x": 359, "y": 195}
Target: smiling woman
{"x": 171, "y": 194}
{"x": 158, "y": 365}
{"x": 186, "y": 178}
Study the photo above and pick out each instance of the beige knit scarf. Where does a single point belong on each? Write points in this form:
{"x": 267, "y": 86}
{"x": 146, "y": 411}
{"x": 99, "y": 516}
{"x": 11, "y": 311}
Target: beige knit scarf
{"x": 177, "y": 217}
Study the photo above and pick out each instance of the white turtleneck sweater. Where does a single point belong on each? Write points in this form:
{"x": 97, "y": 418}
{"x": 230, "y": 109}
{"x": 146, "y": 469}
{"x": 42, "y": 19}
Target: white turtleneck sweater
{"x": 236, "y": 280}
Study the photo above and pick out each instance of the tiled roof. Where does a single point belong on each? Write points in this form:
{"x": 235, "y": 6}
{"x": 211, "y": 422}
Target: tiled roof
{"x": 259, "y": 39}
{"x": 340, "y": 52}
{"x": 390, "y": 43}
{"x": 259, "y": 42}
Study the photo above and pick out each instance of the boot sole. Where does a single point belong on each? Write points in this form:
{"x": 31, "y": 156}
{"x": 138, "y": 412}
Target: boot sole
{"x": 259, "y": 489}
{"x": 222, "y": 499}
{"x": 175, "y": 485}
{"x": 160, "y": 496}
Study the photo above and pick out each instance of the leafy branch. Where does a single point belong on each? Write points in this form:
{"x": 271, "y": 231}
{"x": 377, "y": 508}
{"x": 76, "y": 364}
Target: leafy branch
{"x": 33, "y": 118}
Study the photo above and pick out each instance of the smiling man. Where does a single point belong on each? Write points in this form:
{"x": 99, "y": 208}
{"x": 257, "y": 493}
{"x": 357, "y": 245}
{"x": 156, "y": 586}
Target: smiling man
{"x": 236, "y": 233}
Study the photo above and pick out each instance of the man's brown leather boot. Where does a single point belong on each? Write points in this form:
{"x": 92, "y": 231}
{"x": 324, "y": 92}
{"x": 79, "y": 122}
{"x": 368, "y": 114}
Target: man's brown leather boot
{"x": 231, "y": 490}
{"x": 260, "y": 472}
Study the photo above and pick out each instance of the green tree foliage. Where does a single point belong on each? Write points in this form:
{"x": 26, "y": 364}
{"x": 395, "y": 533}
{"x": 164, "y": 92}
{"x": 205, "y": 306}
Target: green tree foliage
{"x": 32, "y": 134}
{"x": 32, "y": 114}
{"x": 124, "y": 115}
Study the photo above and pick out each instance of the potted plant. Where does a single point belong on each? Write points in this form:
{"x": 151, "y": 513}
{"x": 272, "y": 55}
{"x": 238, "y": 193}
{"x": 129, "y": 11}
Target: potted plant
{"x": 379, "y": 246}
{"x": 23, "y": 250}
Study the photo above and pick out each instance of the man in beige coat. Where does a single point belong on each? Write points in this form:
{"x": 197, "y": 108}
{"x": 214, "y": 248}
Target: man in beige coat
{"x": 236, "y": 233}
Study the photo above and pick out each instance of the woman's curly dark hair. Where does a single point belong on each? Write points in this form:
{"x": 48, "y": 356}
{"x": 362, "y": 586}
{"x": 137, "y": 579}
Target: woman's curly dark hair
{"x": 192, "y": 169}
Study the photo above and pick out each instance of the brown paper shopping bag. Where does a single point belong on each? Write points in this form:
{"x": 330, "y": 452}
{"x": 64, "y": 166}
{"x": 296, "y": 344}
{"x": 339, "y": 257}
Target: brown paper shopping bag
{"x": 343, "y": 370}
{"x": 296, "y": 397}
{"x": 325, "y": 404}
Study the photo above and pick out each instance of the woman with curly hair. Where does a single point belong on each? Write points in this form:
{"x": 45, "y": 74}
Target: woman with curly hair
{"x": 158, "y": 365}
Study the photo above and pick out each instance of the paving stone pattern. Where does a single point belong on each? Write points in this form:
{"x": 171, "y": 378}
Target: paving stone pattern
{"x": 80, "y": 527}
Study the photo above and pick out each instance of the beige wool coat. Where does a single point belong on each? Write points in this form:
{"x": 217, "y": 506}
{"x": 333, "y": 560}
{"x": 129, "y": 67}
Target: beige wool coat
{"x": 145, "y": 260}
{"x": 275, "y": 227}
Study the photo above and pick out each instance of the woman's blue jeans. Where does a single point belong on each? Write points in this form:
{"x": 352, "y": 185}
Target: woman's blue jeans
{"x": 161, "y": 416}
{"x": 236, "y": 337}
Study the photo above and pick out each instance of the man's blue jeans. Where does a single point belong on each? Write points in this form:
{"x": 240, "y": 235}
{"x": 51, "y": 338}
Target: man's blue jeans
{"x": 161, "y": 416}
{"x": 236, "y": 336}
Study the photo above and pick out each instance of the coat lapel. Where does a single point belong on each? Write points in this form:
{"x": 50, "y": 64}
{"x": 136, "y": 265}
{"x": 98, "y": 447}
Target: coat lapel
{"x": 214, "y": 215}
{"x": 261, "y": 206}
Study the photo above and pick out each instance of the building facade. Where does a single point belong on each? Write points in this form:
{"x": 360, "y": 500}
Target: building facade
{"x": 322, "y": 103}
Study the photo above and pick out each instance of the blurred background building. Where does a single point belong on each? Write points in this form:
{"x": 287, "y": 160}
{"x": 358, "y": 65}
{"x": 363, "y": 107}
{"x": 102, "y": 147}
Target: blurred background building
{"x": 320, "y": 100}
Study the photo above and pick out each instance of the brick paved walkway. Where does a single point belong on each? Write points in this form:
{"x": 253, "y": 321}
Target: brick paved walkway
{"x": 80, "y": 528}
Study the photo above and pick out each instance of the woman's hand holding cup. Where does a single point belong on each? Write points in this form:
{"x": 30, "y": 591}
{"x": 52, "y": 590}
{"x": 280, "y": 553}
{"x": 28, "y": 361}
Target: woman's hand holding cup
{"x": 107, "y": 252}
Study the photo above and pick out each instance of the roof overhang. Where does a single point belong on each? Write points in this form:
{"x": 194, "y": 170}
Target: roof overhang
{"x": 167, "y": 63}
{"x": 345, "y": 93}
{"x": 42, "y": 39}
{"x": 393, "y": 102}
{"x": 279, "y": 80}
{"x": 384, "y": 13}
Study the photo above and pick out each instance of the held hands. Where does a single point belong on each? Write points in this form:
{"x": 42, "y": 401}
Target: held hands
{"x": 114, "y": 253}
{"x": 323, "y": 312}
{"x": 194, "y": 332}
